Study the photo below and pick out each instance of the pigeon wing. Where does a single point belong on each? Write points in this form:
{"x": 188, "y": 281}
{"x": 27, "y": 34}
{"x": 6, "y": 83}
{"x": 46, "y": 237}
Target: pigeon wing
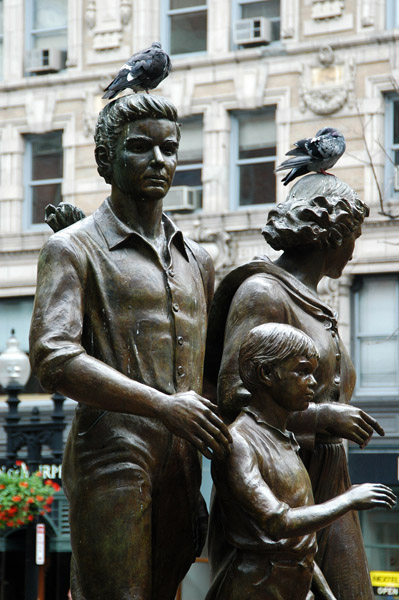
{"x": 294, "y": 162}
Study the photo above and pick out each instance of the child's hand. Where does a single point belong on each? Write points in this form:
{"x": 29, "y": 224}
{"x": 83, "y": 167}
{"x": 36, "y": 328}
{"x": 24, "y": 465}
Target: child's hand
{"x": 371, "y": 495}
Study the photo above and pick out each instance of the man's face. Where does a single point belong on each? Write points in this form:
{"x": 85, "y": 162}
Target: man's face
{"x": 293, "y": 383}
{"x": 145, "y": 158}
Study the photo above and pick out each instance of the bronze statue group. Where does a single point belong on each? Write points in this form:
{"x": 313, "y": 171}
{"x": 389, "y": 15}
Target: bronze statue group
{"x": 120, "y": 325}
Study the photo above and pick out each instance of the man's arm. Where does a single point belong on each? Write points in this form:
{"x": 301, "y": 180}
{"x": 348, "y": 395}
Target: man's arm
{"x": 62, "y": 364}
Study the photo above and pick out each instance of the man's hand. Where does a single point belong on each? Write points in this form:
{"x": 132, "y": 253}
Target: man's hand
{"x": 371, "y": 495}
{"x": 348, "y": 422}
{"x": 195, "y": 419}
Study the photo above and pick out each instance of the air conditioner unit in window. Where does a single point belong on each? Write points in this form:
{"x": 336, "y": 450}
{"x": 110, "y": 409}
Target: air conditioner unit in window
{"x": 45, "y": 60}
{"x": 257, "y": 30}
{"x": 182, "y": 198}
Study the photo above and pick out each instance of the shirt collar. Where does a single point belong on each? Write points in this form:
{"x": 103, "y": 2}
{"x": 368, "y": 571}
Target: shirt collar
{"x": 116, "y": 232}
{"x": 288, "y": 435}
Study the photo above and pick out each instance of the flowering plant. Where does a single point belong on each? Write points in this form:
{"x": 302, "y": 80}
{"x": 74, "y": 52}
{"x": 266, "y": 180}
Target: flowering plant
{"x": 24, "y": 496}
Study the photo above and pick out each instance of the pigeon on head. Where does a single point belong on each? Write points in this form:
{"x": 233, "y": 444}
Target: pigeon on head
{"x": 142, "y": 72}
{"x": 314, "y": 154}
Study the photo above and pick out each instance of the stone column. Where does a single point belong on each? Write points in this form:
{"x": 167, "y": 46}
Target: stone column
{"x": 216, "y": 159}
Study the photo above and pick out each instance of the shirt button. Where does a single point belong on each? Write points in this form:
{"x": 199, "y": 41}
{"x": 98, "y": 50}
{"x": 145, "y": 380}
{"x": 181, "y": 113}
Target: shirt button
{"x": 180, "y": 371}
{"x": 338, "y": 357}
{"x": 171, "y": 273}
{"x": 175, "y": 307}
{"x": 180, "y": 340}
{"x": 337, "y": 380}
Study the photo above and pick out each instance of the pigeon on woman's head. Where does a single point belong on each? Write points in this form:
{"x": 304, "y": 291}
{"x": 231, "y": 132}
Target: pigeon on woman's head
{"x": 142, "y": 72}
{"x": 314, "y": 154}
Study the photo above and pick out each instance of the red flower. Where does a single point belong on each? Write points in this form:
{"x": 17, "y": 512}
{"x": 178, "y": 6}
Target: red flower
{"x": 30, "y": 518}
{"x": 23, "y": 484}
{"x": 10, "y": 524}
{"x": 50, "y": 500}
{"x": 2, "y": 486}
{"x": 18, "y": 463}
{"x": 56, "y": 487}
{"x": 20, "y": 522}
{"x": 12, "y": 510}
{"x": 40, "y": 498}
{"x": 16, "y": 498}
{"x": 30, "y": 501}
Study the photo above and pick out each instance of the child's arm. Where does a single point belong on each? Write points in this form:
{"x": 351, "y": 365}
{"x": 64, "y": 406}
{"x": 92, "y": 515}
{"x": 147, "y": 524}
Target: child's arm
{"x": 240, "y": 477}
{"x": 320, "y": 586}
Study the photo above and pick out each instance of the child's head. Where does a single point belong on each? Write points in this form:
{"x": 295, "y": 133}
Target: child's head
{"x": 267, "y": 346}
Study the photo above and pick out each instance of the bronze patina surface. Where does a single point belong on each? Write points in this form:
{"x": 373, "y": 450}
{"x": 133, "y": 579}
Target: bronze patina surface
{"x": 119, "y": 325}
{"x": 316, "y": 228}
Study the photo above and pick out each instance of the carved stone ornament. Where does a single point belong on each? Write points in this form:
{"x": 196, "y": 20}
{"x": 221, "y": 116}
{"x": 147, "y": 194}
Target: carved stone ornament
{"x": 327, "y": 9}
{"x": 326, "y": 88}
{"x": 90, "y": 15}
{"x": 125, "y": 11}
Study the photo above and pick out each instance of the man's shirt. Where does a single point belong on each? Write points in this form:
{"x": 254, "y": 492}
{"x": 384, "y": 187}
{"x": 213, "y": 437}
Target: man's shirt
{"x": 102, "y": 289}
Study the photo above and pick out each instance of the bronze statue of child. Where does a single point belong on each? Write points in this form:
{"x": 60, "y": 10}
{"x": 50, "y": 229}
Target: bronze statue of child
{"x": 263, "y": 517}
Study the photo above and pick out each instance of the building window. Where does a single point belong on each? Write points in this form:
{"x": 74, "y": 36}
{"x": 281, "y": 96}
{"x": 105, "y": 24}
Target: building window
{"x": 46, "y": 35}
{"x": 187, "y": 26}
{"x": 268, "y": 10}
{"x": 186, "y": 191}
{"x": 392, "y": 14}
{"x": 376, "y": 335}
{"x": 392, "y": 147}
{"x": 43, "y": 173}
{"x": 253, "y": 147}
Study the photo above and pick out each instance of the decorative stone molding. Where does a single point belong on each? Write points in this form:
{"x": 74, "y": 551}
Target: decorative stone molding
{"x": 328, "y": 291}
{"x": 327, "y": 9}
{"x": 326, "y": 88}
{"x": 90, "y": 14}
{"x": 125, "y": 11}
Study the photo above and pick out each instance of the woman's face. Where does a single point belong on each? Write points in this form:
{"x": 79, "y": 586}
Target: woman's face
{"x": 338, "y": 258}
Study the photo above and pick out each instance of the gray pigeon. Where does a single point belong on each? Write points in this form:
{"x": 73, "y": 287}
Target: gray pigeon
{"x": 314, "y": 154}
{"x": 143, "y": 71}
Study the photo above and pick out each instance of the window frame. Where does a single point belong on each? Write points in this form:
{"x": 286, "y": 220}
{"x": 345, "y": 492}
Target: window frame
{"x": 28, "y": 181}
{"x": 167, "y": 13}
{"x": 2, "y": 42}
{"x": 391, "y": 14}
{"x": 236, "y": 15}
{"x": 370, "y": 392}
{"x": 237, "y": 162}
{"x": 30, "y": 32}
{"x": 390, "y": 149}
{"x": 194, "y": 165}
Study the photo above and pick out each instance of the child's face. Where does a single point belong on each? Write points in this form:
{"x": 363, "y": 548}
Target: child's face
{"x": 293, "y": 383}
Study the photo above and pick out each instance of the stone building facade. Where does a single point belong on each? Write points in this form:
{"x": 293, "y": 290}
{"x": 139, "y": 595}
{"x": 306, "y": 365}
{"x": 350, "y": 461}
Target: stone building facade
{"x": 249, "y": 78}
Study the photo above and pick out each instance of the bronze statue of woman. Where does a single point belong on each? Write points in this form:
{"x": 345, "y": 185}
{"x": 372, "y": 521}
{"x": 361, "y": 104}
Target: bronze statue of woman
{"x": 316, "y": 228}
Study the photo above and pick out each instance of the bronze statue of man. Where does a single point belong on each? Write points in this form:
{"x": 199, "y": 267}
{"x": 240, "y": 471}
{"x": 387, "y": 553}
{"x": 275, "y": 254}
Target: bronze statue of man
{"x": 119, "y": 325}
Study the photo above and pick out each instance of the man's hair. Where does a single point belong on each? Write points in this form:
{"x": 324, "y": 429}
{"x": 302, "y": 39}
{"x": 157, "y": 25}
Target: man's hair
{"x": 267, "y": 346}
{"x": 320, "y": 210}
{"x": 133, "y": 107}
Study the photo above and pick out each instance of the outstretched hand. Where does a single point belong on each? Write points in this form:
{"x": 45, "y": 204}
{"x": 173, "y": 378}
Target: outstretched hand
{"x": 195, "y": 419}
{"x": 348, "y": 422}
{"x": 371, "y": 495}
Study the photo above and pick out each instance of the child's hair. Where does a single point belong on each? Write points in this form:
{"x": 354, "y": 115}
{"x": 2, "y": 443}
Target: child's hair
{"x": 268, "y": 345}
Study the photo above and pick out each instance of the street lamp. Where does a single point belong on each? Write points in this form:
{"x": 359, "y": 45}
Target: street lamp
{"x": 14, "y": 364}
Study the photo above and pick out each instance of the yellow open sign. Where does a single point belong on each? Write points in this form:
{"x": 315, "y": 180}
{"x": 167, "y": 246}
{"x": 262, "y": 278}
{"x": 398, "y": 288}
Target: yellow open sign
{"x": 384, "y": 578}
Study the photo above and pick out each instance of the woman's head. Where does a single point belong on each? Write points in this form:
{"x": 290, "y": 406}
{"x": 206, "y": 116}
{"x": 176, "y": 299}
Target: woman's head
{"x": 320, "y": 210}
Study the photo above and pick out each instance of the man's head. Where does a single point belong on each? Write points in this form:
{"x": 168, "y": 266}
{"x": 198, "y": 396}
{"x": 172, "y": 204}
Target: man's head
{"x": 114, "y": 118}
{"x": 283, "y": 359}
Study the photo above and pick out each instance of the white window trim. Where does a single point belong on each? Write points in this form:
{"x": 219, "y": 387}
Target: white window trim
{"x": 236, "y": 162}
{"x": 30, "y": 32}
{"x": 30, "y": 183}
{"x": 390, "y": 148}
{"x": 371, "y": 392}
{"x": 167, "y": 13}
